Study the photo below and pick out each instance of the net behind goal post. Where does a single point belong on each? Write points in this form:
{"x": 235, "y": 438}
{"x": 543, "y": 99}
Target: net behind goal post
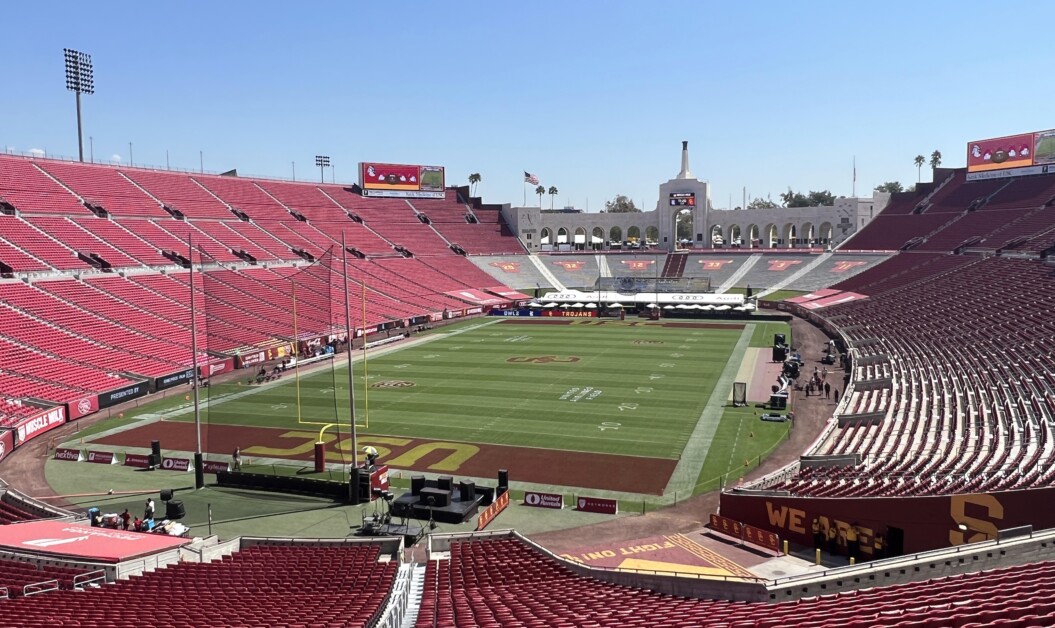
{"x": 287, "y": 327}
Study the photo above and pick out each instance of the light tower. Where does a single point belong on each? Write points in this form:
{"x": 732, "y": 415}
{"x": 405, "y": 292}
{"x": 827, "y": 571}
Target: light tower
{"x": 323, "y": 162}
{"x": 80, "y": 79}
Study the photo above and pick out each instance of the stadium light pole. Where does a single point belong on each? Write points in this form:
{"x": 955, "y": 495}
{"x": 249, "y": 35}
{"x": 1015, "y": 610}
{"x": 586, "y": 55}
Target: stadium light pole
{"x": 80, "y": 79}
{"x": 322, "y": 161}
{"x": 348, "y": 331}
{"x": 199, "y": 465}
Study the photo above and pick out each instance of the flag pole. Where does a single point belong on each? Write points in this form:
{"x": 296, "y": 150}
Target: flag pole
{"x": 348, "y": 330}
{"x": 199, "y": 466}
{"x": 853, "y": 189}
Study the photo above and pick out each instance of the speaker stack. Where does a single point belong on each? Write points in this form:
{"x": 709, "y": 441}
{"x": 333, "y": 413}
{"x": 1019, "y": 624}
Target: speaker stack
{"x": 155, "y": 453}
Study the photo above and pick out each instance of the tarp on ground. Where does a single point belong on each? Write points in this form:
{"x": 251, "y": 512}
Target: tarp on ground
{"x": 81, "y": 542}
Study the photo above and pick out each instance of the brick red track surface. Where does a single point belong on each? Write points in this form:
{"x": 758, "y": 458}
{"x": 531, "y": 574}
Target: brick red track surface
{"x": 542, "y": 466}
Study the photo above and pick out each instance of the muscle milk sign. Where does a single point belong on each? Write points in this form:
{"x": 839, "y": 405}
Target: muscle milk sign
{"x": 40, "y": 423}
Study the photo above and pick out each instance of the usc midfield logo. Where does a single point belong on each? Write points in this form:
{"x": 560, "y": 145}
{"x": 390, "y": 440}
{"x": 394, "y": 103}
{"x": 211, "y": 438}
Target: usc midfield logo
{"x": 543, "y": 359}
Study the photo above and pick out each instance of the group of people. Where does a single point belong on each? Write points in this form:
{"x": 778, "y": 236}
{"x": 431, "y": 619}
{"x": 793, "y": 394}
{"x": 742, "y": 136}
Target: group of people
{"x": 818, "y": 384}
{"x": 847, "y": 540}
{"x": 276, "y": 372}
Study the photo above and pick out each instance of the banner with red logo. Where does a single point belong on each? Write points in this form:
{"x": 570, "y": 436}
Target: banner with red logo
{"x": 401, "y": 180}
{"x": 102, "y": 457}
{"x": 82, "y": 407}
{"x": 72, "y": 455}
{"x": 7, "y": 443}
{"x": 762, "y": 538}
{"x": 176, "y": 464}
{"x": 212, "y": 466}
{"x": 489, "y": 513}
{"x": 544, "y": 500}
{"x": 43, "y": 421}
{"x": 222, "y": 366}
{"x": 727, "y": 526}
{"x": 597, "y": 504}
{"x": 139, "y": 461}
{"x": 379, "y": 479}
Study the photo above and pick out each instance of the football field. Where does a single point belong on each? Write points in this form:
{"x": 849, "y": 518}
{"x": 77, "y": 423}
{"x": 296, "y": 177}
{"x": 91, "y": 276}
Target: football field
{"x": 552, "y": 399}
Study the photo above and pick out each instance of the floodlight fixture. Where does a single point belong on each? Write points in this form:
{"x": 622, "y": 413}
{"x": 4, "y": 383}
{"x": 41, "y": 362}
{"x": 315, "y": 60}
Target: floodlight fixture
{"x": 323, "y": 162}
{"x": 80, "y": 79}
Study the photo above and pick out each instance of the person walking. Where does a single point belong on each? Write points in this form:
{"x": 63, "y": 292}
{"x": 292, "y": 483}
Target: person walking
{"x": 148, "y": 510}
{"x": 236, "y": 459}
{"x": 827, "y": 390}
{"x": 836, "y": 395}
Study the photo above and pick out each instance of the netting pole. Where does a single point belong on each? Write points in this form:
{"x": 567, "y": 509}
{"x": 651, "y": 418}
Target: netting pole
{"x": 199, "y": 466}
{"x": 296, "y": 346}
{"x": 348, "y": 329}
{"x": 366, "y": 367}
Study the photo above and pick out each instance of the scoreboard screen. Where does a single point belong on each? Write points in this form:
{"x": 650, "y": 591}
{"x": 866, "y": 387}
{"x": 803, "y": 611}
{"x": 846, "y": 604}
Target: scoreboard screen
{"x": 683, "y": 199}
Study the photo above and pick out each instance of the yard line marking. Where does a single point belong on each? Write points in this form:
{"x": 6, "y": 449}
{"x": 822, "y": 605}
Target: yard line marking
{"x": 699, "y": 443}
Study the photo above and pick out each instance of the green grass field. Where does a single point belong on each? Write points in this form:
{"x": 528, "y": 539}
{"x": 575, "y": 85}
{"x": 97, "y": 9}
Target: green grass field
{"x": 549, "y": 386}
{"x": 616, "y": 388}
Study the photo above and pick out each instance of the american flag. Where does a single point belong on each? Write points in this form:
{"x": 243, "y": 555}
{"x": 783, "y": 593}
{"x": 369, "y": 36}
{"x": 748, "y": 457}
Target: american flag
{"x": 530, "y": 178}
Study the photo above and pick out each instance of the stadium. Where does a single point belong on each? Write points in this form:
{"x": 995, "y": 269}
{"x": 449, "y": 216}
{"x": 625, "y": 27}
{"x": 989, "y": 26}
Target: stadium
{"x": 252, "y": 401}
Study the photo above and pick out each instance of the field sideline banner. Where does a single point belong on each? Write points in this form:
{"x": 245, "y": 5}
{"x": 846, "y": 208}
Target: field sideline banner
{"x": 492, "y": 511}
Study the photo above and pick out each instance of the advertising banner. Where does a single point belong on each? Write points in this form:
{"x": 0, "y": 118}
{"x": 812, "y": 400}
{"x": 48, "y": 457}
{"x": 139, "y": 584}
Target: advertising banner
{"x": 544, "y": 500}
{"x": 176, "y": 464}
{"x": 222, "y": 366}
{"x": 761, "y": 538}
{"x": 569, "y": 314}
{"x": 923, "y": 523}
{"x": 521, "y": 312}
{"x": 597, "y": 504}
{"x": 489, "y": 513}
{"x": 264, "y": 355}
{"x": 39, "y": 423}
{"x": 212, "y": 466}
{"x": 727, "y": 526}
{"x": 82, "y": 407}
{"x": 70, "y": 455}
{"x": 7, "y": 443}
{"x": 102, "y": 457}
{"x": 379, "y": 479}
{"x": 1000, "y": 153}
{"x": 138, "y": 461}
{"x": 401, "y": 180}
{"x": 174, "y": 379}
{"x": 120, "y": 395}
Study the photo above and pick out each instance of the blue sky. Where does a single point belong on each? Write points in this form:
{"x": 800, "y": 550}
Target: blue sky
{"x": 592, "y": 97}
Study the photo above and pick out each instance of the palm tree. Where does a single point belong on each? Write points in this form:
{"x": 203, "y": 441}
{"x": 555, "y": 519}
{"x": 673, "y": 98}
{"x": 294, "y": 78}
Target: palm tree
{"x": 540, "y": 190}
{"x": 474, "y": 180}
{"x": 919, "y": 161}
{"x": 935, "y": 159}
{"x": 552, "y": 191}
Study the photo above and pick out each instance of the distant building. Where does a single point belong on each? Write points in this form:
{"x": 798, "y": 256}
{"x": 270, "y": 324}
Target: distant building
{"x": 786, "y": 227}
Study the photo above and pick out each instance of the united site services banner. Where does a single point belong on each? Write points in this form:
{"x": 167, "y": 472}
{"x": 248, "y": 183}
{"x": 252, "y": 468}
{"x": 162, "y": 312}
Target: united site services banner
{"x": 544, "y": 500}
